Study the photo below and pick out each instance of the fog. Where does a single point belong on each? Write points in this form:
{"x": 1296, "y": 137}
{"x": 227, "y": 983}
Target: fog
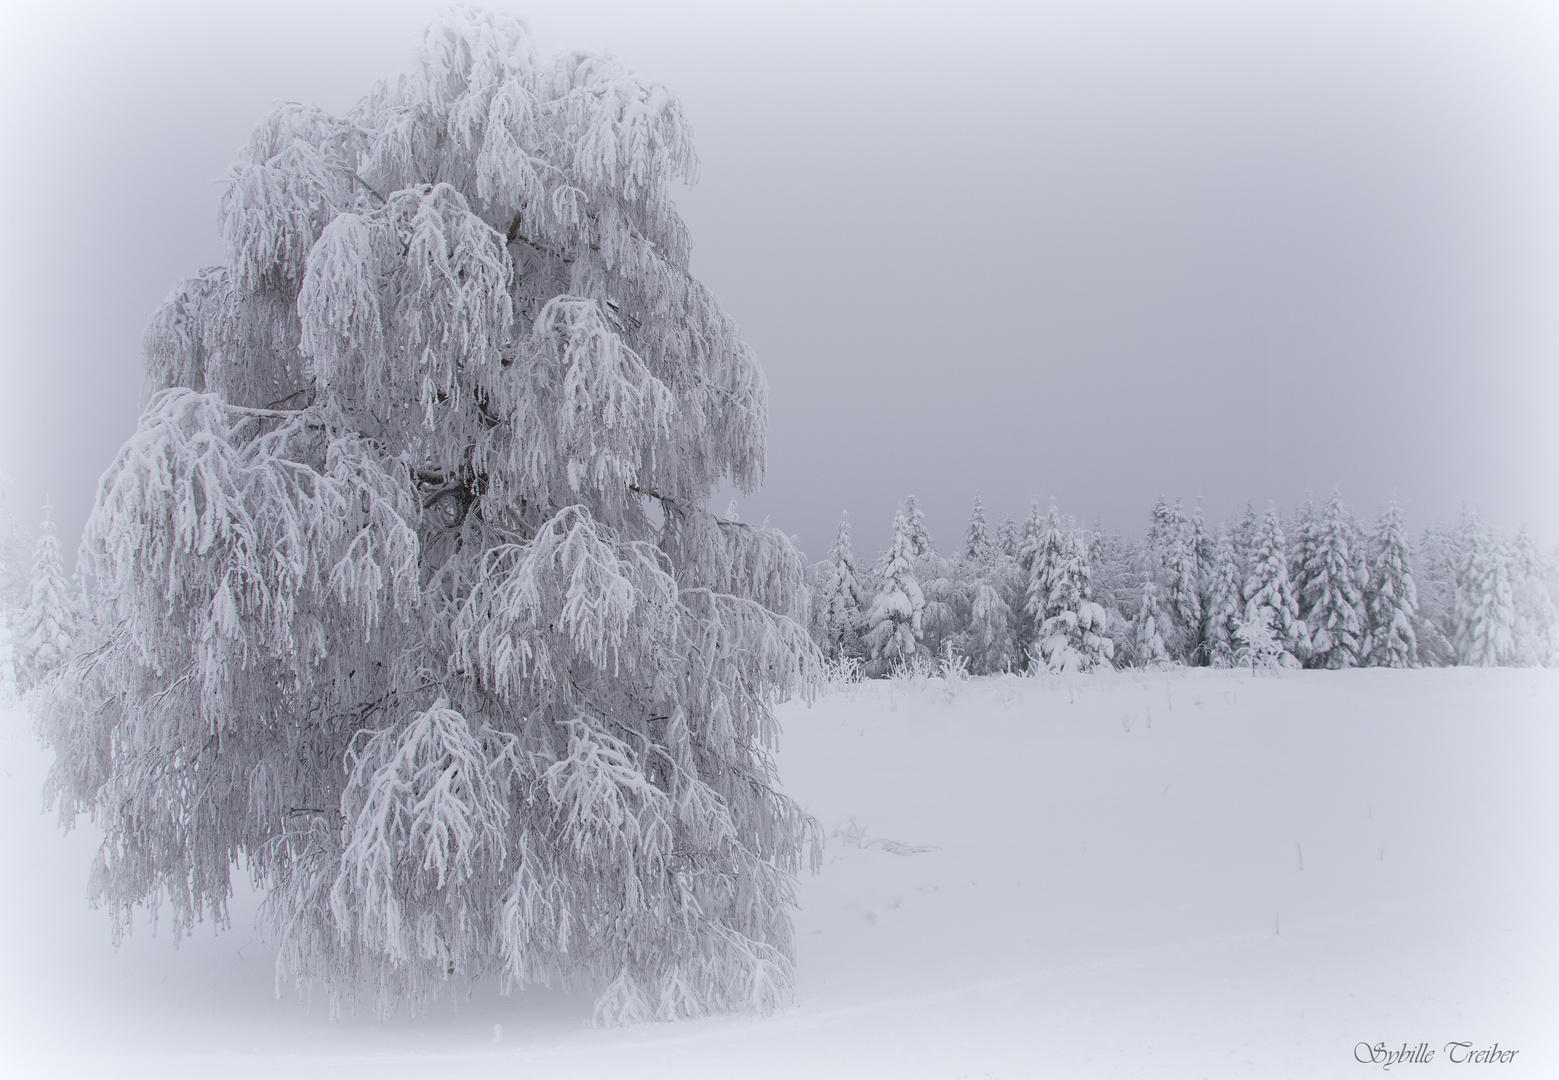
{"x": 1094, "y": 251}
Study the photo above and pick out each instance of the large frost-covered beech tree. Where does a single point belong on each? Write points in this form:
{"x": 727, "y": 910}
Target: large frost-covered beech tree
{"x": 407, "y": 597}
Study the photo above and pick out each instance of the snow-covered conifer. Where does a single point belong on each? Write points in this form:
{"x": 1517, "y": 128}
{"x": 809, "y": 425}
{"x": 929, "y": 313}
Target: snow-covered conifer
{"x": 1163, "y": 530}
{"x": 977, "y": 540}
{"x": 1245, "y": 535}
{"x": 1071, "y": 628}
{"x": 1335, "y": 601}
{"x": 1484, "y": 603}
{"x": 946, "y": 586}
{"x": 842, "y": 598}
{"x": 1111, "y": 565}
{"x": 410, "y": 568}
{"x": 1301, "y": 534}
{"x": 1267, "y": 586}
{"x": 1184, "y": 570}
{"x": 15, "y": 556}
{"x": 990, "y": 643}
{"x": 1170, "y": 557}
{"x": 1225, "y": 607}
{"x": 1434, "y": 574}
{"x": 915, "y": 524}
{"x": 47, "y": 624}
{"x": 894, "y": 622}
{"x": 1536, "y": 629}
{"x": 1202, "y": 546}
{"x": 1393, "y": 594}
{"x": 1257, "y": 645}
{"x": 1029, "y": 540}
{"x": 1149, "y": 650}
{"x": 1007, "y": 539}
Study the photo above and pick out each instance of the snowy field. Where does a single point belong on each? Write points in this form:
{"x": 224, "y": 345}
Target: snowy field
{"x": 1192, "y": 874}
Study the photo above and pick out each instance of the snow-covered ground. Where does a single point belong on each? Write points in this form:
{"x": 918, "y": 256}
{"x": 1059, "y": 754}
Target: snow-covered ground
{"x": 1189, "y": 874}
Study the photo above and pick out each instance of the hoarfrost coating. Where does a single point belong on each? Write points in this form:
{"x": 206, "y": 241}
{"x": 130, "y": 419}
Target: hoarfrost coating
{"x": 1315, "y": 592}
{"x": 406, "y": 593}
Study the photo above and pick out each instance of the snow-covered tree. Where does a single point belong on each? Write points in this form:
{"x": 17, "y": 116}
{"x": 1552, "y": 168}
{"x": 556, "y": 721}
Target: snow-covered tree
{"x": 14, "y": 573}
{"x": 946, "y": 587}
{"x": 1170, "y": 555}
{"x": 1225, "y": 607}
{"x": 1115, "y": 587}
{"x": 1267, "y": 586}
{"x": 841, "y": 597}
{"x": 1536, "y": 628}
{"x": 1484, "y": 603}
{"x": 1007, "y": 539}
{"x": 1029, "y": 538}
{"x": 915, "y": 526}
{"x": 990, "y": 643}
{"x": 1071, "y": 628}
{"x": 1434, "y": 573}
{"x": 408, "y": 596}
{"x": 1202, "y": 545}
{"x": 1393, "y": 594}
{"x": 1148, "y": 649}
{"x": 1335, "y": 578}
{"x": 1183, "y": 568}
{"x": 1301, "y": 534}
{"x": 1257, "y": 645}
{"x": 977, "y": 539}
{"x": 46, "y": 625}
{"x": 894, "y": 622}
{"x": 1245, "y": 535}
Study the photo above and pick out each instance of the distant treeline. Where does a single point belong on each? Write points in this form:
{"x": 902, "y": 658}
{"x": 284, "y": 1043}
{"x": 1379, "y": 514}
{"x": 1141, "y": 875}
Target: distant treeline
{"x": 1315, "y": 589}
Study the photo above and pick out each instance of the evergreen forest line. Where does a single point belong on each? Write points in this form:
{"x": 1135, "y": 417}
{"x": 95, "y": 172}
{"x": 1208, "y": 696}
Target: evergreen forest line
{"x": 1316, "y": 589}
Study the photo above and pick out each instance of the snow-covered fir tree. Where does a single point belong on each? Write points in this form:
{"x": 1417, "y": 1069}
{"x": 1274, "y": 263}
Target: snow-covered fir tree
{"x": 1393, "y": 594}
{"x": 15, "y": 567}
{"x": 1225, "y": 607}
{"x": 1335, "y": 579}
{"x": 990, "y": 643}
{"x": 894, "y": 622}
{"x": 410, "y": 562}
{"x": 1149, "y": 650}
{"x": 1257, "y": 646}
{"x": 1163, "y": 531}
{"x": 46, "y": 626}
{"x": 1029, "y": 539}
{"x": 1267, "y": 586}
{"x": 1202, "y": 544}
{"x": 1484, "y": 603}
{"x": 1007, "y": 537}
{"x": 841, "y": 598}
{"x": 1070, "y": 627}
{"x": 1183, "y": 568}
{"x": 1170, "y": 558}
{"x": 1115, "y": 587}
{"x": 1245, "y": 536}
{"x": 994, "y": 590}
{"x": 915, "y": 524}
{"x": 1301, "y": 533}
{"x": 1434, "y": 573}
{"x": 977, "y": 539}
{"x": 945, "y": 586}
{"x": 1536, "y": 628}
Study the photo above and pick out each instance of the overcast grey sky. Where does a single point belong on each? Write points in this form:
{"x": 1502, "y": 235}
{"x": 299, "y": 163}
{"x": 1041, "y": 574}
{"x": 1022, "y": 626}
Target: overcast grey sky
{"x": 1090, "y": 250}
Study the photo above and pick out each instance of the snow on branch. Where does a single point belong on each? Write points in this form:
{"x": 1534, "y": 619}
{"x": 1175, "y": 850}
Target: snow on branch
{"x": 427, "y": 808}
